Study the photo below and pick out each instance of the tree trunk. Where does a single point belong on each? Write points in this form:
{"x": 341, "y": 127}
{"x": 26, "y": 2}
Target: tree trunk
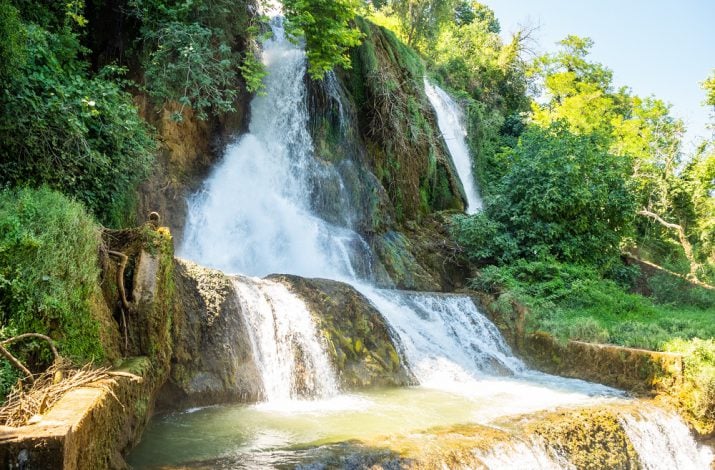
{"x": 684, "y": 242}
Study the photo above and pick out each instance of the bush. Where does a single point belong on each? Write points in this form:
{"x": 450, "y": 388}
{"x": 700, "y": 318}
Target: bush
{"x": 669, "y": 289}
{"x": 562, "y": 198}
{"x": 575, "y": 302}
{"x": 80, "y": 135}
{"x": 49, "y": 273}
{"x": 190, "y": 66}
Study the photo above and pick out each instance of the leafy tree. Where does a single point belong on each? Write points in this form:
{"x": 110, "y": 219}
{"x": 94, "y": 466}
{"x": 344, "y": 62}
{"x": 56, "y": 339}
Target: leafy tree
{"x": 468, "y": 11}
{"x": 563, "y": 197}
{"x": 421, "y": 20}
{"x": 73, "y": 132}
{"x": 325, "y": 25}
{"x": 709, "y": 87}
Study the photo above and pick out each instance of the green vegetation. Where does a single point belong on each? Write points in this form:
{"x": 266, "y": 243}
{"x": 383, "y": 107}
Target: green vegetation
{"x": 188, "y": 52}
{"x": 72, "y": 130}
{"x": 326, "y": 29}
{"x": 575, "y": 302}
{"x": 563, "y": 197}
{"x": 49, "y": 276}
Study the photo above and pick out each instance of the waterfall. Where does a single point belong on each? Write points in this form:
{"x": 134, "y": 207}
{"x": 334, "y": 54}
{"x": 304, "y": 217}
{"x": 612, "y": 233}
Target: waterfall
{"x": 451, "y": 123}
{"x": 253, "y": 215}
{"x": 284, "y": 340}
{"x": 445, "y": 337}
{"x": 663, "y": 441}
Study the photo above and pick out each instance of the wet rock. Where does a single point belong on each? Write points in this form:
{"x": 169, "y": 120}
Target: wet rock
{"x": 358, "y": 339}
{"x": 212, "y": 360}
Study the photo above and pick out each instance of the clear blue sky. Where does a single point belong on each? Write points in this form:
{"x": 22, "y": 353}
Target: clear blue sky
{"x": 657, "y": 47}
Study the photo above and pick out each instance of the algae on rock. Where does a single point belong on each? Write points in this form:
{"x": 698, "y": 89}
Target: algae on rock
{"x": 358, "y": 339}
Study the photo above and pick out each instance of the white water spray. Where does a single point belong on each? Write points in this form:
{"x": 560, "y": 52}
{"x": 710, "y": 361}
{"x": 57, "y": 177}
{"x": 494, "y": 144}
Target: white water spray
{"x": 450, "y": 119}
{"x": 663, "y": 441}
{"x": 288, "y": 354}
{"x": 253, "y": 215}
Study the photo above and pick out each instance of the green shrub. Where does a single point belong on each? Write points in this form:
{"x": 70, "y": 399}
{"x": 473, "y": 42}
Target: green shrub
{"x": 49, "y": 273}
{"x": 191, "y": 66}
{"x": 563, "y": 197}
{"x": 575, "y": 302}
{"x": 669, "y": 289}
{"x": 78, "y": 134}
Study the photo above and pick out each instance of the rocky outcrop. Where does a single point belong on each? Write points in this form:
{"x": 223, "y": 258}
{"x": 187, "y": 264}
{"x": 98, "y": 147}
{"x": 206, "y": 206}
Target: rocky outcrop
{"x": 423, "y": 257}
{"x": 187, "y": 152}
{"x": 373, "y": 126}
{"x": 396, "y": 122}
{"x": 212, "y": 361}
{"x": 358, "y": 339}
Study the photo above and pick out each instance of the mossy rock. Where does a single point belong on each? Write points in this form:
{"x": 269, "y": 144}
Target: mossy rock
{"x": 358, "y": 339}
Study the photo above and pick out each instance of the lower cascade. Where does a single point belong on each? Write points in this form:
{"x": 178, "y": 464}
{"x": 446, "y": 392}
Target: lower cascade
{"x": 254, "y": 217}
{"x": 290, "y": 358}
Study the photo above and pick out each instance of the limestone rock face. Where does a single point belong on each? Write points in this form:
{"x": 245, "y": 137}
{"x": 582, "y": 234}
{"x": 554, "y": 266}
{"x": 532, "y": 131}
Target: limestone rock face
{"x": 212, "y": 361}
{"x": 358, "y": 339}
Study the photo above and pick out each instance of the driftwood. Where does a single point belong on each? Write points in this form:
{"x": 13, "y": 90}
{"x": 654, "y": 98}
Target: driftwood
{"x": 16, "y": 362}
{"x": 24, "y": 405}
{"x": 126, "y": 305}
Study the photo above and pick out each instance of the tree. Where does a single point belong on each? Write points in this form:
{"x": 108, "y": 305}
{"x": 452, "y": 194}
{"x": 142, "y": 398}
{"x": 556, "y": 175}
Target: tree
{"x": 564, "y": 197}
{"x": 325, "y": 25}
{"x": 421, "y": 20}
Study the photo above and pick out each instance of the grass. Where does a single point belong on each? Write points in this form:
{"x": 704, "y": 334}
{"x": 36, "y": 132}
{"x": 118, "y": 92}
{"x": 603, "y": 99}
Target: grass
{"x": 49, "y": 276}
{"x": 575, "y": 302}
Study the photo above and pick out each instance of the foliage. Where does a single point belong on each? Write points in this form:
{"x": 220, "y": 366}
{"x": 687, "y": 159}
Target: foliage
{"x": 12, "y": 53}
{"x": 190, "y": 67}
{"x": 562, "y": 197}
{"x": 675, "y": 204}
{"x": 325, "y": 26}
{"x": 188, "y": 52}
{"x": 700, "y": 377}
{"x": 63, "y": 128}
{"x": 48, "y": 273}
{"x": 421, "y": 20}
{"x": 575, "y": 302}
{"x": 253, "y": 71}
{"x": 709, "y": 87}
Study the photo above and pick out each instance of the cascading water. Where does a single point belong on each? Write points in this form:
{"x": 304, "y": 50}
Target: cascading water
{"x": 285, "y": 343}
{"x": 663, "y": 441}
{"x": 445, "y": 336}
{"x": 255, "y": 216}
{"x": 451, "y": 123}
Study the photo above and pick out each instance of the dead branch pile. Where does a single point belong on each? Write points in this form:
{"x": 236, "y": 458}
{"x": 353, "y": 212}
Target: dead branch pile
{"x": 24, "y": 403}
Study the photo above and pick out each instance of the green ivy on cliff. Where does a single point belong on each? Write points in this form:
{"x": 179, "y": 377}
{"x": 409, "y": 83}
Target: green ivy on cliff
{"x": 76, "y": 131}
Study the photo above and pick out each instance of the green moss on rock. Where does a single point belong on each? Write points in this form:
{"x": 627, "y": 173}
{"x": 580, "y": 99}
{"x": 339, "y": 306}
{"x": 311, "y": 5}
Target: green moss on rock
{"x": 356, "y": 335}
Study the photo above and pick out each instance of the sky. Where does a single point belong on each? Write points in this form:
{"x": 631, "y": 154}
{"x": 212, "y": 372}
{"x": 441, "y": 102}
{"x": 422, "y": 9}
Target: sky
{"x": 656, "y": 47}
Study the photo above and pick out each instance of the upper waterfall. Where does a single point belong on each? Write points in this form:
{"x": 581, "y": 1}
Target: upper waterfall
{"x": 451, "y": 123}
{"x": 253, "y": 215}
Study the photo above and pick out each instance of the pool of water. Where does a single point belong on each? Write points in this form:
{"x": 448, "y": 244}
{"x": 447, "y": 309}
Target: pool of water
{"x": 280, "y": 433}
